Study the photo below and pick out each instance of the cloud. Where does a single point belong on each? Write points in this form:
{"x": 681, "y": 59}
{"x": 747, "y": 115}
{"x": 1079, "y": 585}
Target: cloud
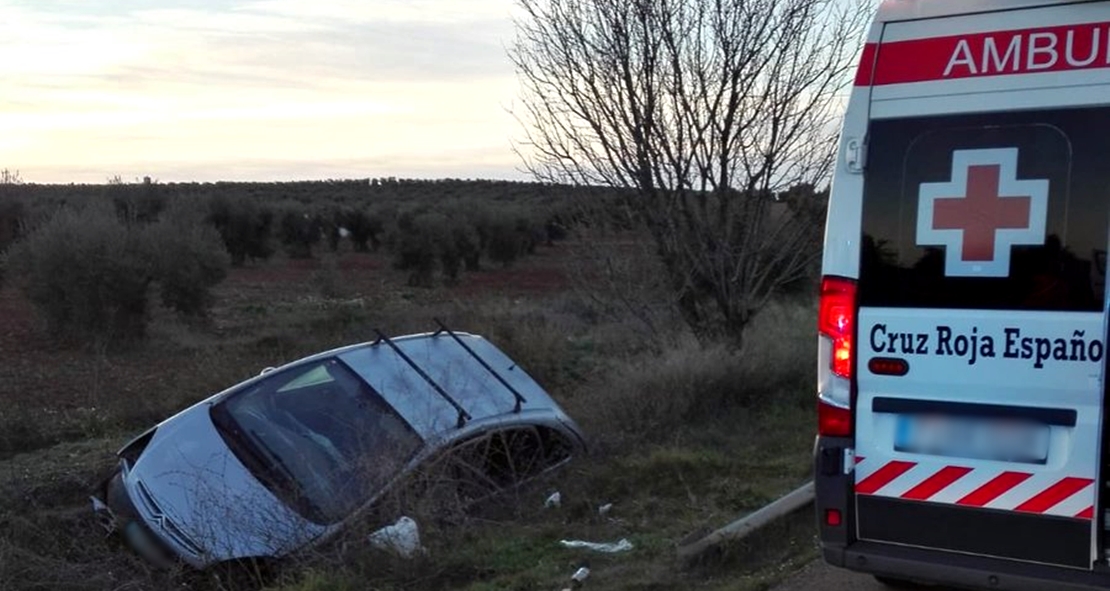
{"x": 389, "y": 11}
{"x": 283, "y": 82}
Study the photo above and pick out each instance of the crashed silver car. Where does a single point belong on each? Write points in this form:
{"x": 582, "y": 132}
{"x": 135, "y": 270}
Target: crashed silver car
{"x": 291, "y": 458}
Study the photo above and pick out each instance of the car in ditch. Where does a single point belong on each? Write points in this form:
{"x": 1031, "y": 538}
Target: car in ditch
{"x": 293, "y": 457}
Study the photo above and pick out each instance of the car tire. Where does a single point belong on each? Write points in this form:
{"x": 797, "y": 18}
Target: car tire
{"x": 896, "y": 583}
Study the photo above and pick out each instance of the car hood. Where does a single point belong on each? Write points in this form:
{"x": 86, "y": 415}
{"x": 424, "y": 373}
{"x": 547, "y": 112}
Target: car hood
{"x": 196, "y": 495}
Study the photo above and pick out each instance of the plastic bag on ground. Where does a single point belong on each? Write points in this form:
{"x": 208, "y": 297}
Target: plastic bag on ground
{"x": 401, "y": 538}
{"x": 623, "y": 545}
{"x": 555, "y": 500}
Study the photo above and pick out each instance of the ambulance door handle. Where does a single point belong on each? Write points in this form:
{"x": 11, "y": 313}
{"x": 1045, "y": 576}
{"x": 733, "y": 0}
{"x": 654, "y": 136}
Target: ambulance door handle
{"x": 855, "y": 154}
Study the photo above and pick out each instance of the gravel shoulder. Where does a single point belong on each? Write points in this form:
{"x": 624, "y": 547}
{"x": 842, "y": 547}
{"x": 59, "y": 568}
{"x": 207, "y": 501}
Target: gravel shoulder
{"x": 819, "y": 576}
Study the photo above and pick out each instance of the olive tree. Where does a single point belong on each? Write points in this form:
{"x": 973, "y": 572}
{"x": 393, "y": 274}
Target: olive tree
{"x": 702, "y": 112}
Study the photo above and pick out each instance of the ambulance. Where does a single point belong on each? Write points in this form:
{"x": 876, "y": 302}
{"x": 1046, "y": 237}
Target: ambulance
{"x": 962, "y": 318}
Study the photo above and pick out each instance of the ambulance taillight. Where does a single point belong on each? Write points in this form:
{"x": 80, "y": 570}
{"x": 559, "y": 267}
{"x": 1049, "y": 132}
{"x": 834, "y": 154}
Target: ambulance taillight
{"x": 836, "y": 324}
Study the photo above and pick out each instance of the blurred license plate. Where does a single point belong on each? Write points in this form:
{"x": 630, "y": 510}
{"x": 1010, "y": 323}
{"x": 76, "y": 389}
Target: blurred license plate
{"x": 1008, "y": 440}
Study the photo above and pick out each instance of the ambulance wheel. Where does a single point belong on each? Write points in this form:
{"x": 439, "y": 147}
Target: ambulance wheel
{"x": 894, "y": 583}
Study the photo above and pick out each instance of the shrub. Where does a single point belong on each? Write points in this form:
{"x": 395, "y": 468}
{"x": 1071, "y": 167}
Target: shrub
{"x": 531, "y": 234}
{"x": 423, "y": 242}
{"x": 482, "y": 222}
{"x": 245, "y": 227}
{"x": 365, "y": 227}
{"x": 188, "y": 259}
{"x": 12, "y": 213}
{"x": 555, "y": 229}
{"x": 688, "y": 383}
{"x": 89, "y": 274}
{"x": 331, "y": 222}
{"x": 86, "y": 273}
{"x": 300, "y": 230}
{"x": 678, "y": 386}
{"x": 505, "y": 242}
{"x": 135, "y": 203}
{"x": 417, "y": 253}
{"x": 467, "y": 244}
{"x": 450, "y": 261}
{"x": 418, "y": 244}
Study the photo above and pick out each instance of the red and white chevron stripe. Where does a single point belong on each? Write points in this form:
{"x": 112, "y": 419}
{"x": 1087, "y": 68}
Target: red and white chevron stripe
{"x": 1027, "y": 492}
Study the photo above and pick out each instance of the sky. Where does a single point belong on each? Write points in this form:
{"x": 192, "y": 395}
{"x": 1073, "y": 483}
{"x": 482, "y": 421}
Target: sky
{"x": 207, "y": 90}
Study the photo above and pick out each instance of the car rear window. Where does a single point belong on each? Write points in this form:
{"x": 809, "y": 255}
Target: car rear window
{"x": 987, "y": 211}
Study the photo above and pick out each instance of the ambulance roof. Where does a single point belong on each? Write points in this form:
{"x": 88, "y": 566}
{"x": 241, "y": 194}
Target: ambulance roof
{"x": 901, "y": 10}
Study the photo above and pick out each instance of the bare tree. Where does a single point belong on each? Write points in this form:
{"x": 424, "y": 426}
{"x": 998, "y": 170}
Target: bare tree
{"x": 12, "y": 212}
{"x": 703, "y": 111}
{"x": 10, "y": 177}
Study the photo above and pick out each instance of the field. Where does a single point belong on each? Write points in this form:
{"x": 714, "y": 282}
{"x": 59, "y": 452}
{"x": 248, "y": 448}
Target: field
{"x": 684, "y": 436}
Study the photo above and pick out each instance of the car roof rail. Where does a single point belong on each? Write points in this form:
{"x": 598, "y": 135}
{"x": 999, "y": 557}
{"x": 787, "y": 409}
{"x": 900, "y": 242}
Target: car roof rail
{"x": 520, "y": 400}
{"x": 463, "y": 415}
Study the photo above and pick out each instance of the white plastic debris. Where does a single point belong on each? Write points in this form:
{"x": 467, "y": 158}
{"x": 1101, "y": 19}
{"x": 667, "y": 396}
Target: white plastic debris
{"x": 555, "y": 500}
{"x": 604, "y": 509}
{"x": 402, "y": 538}
{"x": 623, "y": 545}
{"x": 580, "y": 575}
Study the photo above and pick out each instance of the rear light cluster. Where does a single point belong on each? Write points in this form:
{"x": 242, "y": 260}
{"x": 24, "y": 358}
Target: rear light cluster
{"x": 836, "y": 324}
{"x": 832, "y": 420}
{"x": 837, "y": 321}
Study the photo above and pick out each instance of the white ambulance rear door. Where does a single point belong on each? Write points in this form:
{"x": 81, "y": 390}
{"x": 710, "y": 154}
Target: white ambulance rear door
{"x": 981, "y": 283}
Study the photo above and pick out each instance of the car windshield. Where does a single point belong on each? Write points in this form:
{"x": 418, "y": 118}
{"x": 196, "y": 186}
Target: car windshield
{"x": 318, "y": 436}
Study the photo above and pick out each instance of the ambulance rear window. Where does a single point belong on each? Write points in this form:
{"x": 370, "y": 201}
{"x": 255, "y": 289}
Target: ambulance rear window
{"x": 994, "y": 211}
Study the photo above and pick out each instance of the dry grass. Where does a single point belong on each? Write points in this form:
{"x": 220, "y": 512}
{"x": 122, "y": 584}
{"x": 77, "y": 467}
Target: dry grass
{"x": 645, "y": 396}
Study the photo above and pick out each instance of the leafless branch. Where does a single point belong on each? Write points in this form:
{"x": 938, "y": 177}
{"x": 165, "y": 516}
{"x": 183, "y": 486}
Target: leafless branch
{"x": 706, "y": 112}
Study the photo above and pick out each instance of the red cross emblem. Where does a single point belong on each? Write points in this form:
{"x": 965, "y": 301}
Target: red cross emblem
{"x": 982, "y": 213}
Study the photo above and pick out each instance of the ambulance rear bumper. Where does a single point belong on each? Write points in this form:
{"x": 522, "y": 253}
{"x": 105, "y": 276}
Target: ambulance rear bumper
{"x": 841, "y": 546}
{"x": 960, "y": 570}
